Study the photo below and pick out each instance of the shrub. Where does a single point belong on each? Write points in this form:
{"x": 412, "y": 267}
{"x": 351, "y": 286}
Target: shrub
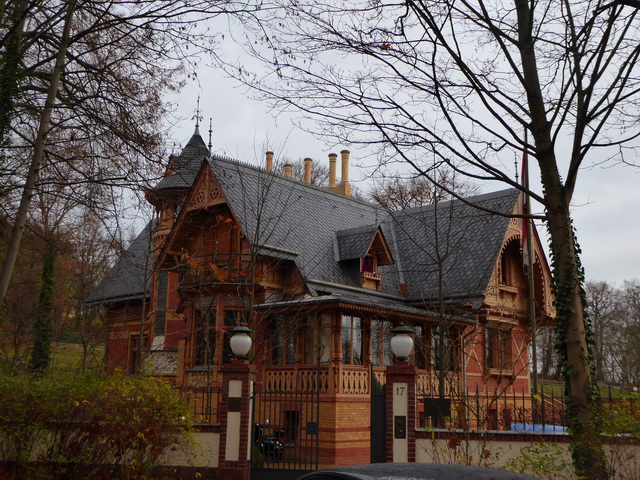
{"x": 88, "y": 426}
{"x": 544, "y": 460}
{"x": 621, "y": 422}
{"x": 622, "y": 417}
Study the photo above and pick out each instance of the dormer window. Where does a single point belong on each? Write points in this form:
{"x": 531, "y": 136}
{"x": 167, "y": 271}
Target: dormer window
{"x": 366, "y": 248}
{"x": 368, "y": 264}
{"x": 369, "y": 277}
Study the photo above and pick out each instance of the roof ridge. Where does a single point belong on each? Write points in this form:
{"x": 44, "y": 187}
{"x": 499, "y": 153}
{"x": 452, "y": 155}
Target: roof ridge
{"x": 302, "y": 184}
{"x": 482, "y": 197}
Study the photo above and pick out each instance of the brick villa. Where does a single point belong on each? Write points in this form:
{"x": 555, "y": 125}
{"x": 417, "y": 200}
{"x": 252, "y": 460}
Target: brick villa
{"x": 321, "y": 278}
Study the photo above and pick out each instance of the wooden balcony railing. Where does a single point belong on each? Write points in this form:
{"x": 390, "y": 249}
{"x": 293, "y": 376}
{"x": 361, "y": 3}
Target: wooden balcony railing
{"x": 332, "y": 379}
{"x": 217, "y": 268}
{"x": 428, "y": 383}
{"x": 348, "y": 379}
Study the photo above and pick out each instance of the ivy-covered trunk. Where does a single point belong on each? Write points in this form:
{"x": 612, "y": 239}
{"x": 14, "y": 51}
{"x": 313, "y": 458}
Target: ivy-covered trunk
{"x": 574, "y": 341}
{"x": 43, "y": 321}
{"x": 12, "y": 22}
{"x": 573, "y": 333}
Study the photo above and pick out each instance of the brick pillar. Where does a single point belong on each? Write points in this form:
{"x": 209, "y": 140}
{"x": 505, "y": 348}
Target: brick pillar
{"x": 401, "y": 412}
{"x": 235, "y": 420}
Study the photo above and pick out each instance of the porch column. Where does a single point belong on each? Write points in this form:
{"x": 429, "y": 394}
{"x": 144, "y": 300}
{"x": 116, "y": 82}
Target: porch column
{"x": 401, "y": 412}
{"x": 235, "y": 413}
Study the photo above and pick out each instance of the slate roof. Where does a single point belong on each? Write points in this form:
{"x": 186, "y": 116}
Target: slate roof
{"x": 314, "y": 228}
{"x": 354, "y": 243}
{"x": 294, "y": 216}
{"x": 185, "y": 167}
{"x": 465, "y": 240}
{"x": 129, "y": 278}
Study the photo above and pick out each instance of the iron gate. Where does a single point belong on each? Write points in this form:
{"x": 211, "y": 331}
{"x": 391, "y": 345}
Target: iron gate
{"x": 285, "y": 433}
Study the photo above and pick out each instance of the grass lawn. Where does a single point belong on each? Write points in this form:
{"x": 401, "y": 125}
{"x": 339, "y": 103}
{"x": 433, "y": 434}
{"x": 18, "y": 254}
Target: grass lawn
{"x": 67, "y": 357}
{"x": 557, "y": 390}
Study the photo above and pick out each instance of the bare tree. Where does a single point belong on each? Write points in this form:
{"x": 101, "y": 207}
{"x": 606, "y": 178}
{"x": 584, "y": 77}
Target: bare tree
{"x": 319, "y": 173}
{"x": 607, "y": 316}
{"x": 397, "y": 192}
{"x": 629, "y": 335}
{"x": 463, "y": 81}
{"x": 91, "y": 75}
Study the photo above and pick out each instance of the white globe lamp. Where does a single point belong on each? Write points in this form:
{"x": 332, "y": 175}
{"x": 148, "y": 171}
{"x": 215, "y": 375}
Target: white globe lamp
{"x": 402, "y": 343}
{"x": 241, "y": 341}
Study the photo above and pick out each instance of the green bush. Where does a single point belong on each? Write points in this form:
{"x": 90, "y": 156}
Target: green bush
{"x": 621, "y": 423}
{"x": 544, "y": 460}
{"x": 88, "y": 426}
{"x": 622, "y": 417}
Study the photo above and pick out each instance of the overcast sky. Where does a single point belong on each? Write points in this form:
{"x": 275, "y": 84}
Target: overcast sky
{"x": 605, "y": 205}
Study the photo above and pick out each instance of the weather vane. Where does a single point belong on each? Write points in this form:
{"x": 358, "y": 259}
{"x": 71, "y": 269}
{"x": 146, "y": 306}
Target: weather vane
{"x": 197, "y": 115}
{"x": 210, "y": 132}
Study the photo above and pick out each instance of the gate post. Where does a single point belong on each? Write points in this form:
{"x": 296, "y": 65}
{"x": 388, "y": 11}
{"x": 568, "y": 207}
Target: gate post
{"x": 234, "y": 459}
{"x": 401, "y": 405}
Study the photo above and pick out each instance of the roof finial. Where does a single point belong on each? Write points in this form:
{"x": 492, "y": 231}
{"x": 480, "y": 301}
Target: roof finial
{"x": 197, "y": 118}
{"x": 515, "y": 162}
{"x": 210, "y": 132}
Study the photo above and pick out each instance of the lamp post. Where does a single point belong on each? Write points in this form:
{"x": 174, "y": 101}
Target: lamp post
{"x": 241, "y": 341}
{"x": 402, "y": 342}
{"x": 238, "y": 378}
{"x": 401, "y": 398}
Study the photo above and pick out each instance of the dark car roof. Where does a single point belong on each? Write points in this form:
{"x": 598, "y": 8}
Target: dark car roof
{"x": 414, "y": 471}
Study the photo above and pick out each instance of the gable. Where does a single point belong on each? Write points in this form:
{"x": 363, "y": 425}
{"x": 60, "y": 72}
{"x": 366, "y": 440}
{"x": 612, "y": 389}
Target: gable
{"x": 355, "y": 243}
{"x": 197, "y": 210}
{"x": 454, "y": 240}
{"x": 206, "y": 192}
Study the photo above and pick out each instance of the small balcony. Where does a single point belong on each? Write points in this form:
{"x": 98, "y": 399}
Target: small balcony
{"x": 370, "y": 280}
{"x": 227, "y": 268}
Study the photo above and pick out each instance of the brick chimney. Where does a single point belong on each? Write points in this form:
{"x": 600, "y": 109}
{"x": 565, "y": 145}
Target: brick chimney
{"x": 345, "y": 187}
{"x": 287, "y": 170}
{"x": 344, "y": 184}
{"x": 307, "y": 170}
{"x": 332, "y": 169}
{"x": 269, "y": 161}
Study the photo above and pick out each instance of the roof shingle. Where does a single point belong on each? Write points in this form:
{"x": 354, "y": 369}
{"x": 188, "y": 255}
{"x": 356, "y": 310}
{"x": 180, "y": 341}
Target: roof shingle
{"x": 452, "y": 239}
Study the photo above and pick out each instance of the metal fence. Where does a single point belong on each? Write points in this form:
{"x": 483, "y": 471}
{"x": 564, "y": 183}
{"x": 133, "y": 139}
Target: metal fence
{"x": 286, "y": 430}
{"x": 203, "y": 403}
{"x": 494, "y": 411}
{"x": 520, "y": 412}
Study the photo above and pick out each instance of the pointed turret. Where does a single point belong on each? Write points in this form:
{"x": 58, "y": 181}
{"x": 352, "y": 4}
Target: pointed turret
{"x": 169, "y": 193}
{"x": 182, "y": 170}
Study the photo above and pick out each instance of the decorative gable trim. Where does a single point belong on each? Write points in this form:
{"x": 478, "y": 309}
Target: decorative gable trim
{"x": 199, "y": 197}
{"x": 208, "y": 192}
{"x": 357, "y": 243}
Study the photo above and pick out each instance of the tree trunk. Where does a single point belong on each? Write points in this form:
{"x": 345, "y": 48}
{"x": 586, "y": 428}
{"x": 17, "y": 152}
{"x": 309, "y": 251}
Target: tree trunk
{"x": 572, "y": 329}
{"x": 36, "y": 160}
{"x": 43, "y": 322}
{"x": 574, "y": 341}
{"x": 10, "y": 62}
